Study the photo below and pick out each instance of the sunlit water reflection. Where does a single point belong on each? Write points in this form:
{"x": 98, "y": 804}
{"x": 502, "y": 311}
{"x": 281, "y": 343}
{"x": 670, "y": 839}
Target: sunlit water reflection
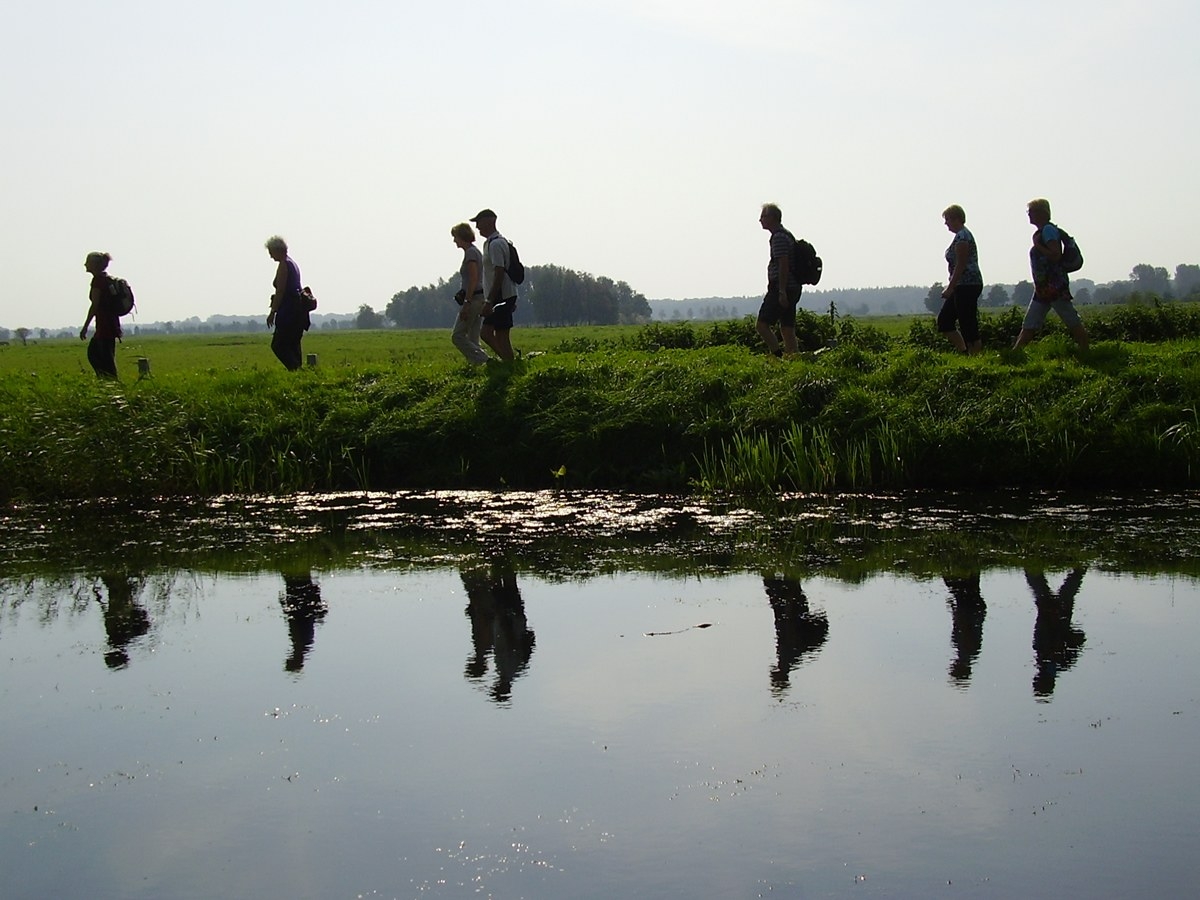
{"x": 426, "y": 696}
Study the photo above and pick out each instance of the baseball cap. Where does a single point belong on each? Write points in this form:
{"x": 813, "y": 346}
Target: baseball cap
{"x": 483, "y": 214}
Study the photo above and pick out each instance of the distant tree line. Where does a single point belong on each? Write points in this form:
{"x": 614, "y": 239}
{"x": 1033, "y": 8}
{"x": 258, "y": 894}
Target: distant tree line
{"x": 550, "y": 295}
{"x": 1145, "y": 281}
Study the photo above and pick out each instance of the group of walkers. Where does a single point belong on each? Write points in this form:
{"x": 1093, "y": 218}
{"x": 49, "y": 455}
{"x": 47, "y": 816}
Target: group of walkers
{"x": 488, "y": 295}
{"x": 958, "y": 318}
{"x": 487, "y": 300}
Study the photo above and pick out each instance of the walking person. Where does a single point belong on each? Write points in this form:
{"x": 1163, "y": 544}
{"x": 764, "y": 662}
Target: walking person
{"x": 471, "y": 296}
{"x": 289, "y": 311}
{"x": 102, "y": 348}
{"x": 501, "y": 293}
{"x": 958, "y": 319}
{"x": 1051, "y": 283}
{"x": 783, "y": 285}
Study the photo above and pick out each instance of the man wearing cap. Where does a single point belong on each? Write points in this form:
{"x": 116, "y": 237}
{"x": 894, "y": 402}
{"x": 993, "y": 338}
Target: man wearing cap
{"x": 501, "y": 292}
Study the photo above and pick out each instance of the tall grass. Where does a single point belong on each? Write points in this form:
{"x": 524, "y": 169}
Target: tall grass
{"x": 803, "y": 458}
{"x": 716, "y": 418}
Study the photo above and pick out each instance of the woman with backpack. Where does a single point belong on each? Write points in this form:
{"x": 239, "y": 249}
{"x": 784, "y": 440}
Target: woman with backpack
{"x": 1051, "y": 281}
{"x": 102, "y": 349}
{"x": 289, "y": 311}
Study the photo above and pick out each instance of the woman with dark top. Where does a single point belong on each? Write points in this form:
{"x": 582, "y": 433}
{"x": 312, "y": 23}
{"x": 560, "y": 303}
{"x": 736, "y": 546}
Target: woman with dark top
{"x": 960, "y": 299}
{"x": 102, "y": 349}
{"x": 289, "y": 312}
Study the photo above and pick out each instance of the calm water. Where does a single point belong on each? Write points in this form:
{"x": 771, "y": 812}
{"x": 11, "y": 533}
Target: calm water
{"x": 548, "y": 695}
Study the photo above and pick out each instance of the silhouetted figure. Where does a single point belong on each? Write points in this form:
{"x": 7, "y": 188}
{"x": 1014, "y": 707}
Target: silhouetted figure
{"x": 124, "y": 618}
{"x": 498, "y": 628}
{"x": 102, "y": 349}
{"x": 799, "y": 632}
{"x": 1056, "y": 642}
{"x": 967, "y": 612}
{"x": 303, "y": 608}
{"x": 290, "y": 307}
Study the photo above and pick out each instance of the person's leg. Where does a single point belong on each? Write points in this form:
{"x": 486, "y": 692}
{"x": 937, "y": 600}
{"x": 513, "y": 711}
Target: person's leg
{"x": 767, "y": 333}
{"x": 789, "y": 339}
{"x": 102, "y": 354}
{"x": 487, "y": 334}
{"x": 1035, "y": 316}
{"x": 947, "y": 318}
{"x": 497, "y": 329}
{"x": 966, "y": 303}
{"x": 1070, "y": 317}
{"x": 286, "y": 346}
{"x": 473, "y": 332}
{"x": 768, "y": 316}
{"x": 466, "y": 332}
{"x": 787, "y": 322}
{"x": 503, "y": 345}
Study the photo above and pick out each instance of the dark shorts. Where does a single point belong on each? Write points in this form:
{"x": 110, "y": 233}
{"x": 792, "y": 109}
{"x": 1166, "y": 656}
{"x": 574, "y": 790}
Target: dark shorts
{"x": 961, "y": 307}
{"x": 501, "y": 316}
{"x": 772, "y": 312}
{"x": 102, "y": 354}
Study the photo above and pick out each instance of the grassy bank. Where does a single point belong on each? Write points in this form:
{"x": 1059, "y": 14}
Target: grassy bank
{"x": 615, "y": 408}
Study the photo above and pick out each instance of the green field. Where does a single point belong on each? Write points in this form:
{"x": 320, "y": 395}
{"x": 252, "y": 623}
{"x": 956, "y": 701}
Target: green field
{"x": 208, "y": 353}
{"x": 660, "y": 407}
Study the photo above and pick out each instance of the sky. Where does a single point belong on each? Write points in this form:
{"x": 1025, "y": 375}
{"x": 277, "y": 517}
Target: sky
{"x": 635, "y": 139}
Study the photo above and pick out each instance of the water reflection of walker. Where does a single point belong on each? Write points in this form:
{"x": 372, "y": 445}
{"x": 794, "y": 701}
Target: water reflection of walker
{"x": 303, "y": 608}
{"x": 799, "y": 632}
{"x": 1057, "y": 642}
{"x": 125, "y": 619}
{"x": 498, "y": 628}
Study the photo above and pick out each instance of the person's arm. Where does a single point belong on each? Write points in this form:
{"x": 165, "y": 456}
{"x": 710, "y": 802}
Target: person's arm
{"x": 280, "y": 285}
{"x": 785, "y": 272}
{"x": 472, "y": 281}
{"x": 496, "y": 289}
{"x": 962, "y": 253}
{"x": 91, "y": 313}
{"x": 1051, "y": 249}
{"x": 470, "y": 285}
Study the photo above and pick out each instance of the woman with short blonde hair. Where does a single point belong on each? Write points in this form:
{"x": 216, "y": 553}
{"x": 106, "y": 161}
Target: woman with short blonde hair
{"x": 1041, "y": 206}
{"x": 469, "y": 322}
{"x": 1051, "y": 282}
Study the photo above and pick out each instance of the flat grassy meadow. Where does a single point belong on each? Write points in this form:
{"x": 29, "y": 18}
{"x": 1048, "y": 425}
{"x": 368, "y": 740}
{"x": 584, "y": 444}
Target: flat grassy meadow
{"x": 662, "y": 407}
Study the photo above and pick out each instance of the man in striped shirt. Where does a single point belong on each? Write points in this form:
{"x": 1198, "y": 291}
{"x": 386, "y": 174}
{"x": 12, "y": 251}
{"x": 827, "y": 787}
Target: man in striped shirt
{"x": 783, "y": 286}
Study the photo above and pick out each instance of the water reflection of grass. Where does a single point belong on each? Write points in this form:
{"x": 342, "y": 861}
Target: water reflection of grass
{"x": 717, "y": 419}
{"x": 569, "y": 535}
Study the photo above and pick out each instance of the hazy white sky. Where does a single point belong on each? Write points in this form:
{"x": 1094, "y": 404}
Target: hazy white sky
{"x": 630, "y": 138}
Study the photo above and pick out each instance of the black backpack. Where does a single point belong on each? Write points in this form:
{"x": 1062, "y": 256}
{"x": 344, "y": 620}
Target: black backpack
{"x": 1072, "y": 256}
{"x": 804, "y": 262}
{"x": 515, "y": 268}
{"x": 120, "y": 294}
